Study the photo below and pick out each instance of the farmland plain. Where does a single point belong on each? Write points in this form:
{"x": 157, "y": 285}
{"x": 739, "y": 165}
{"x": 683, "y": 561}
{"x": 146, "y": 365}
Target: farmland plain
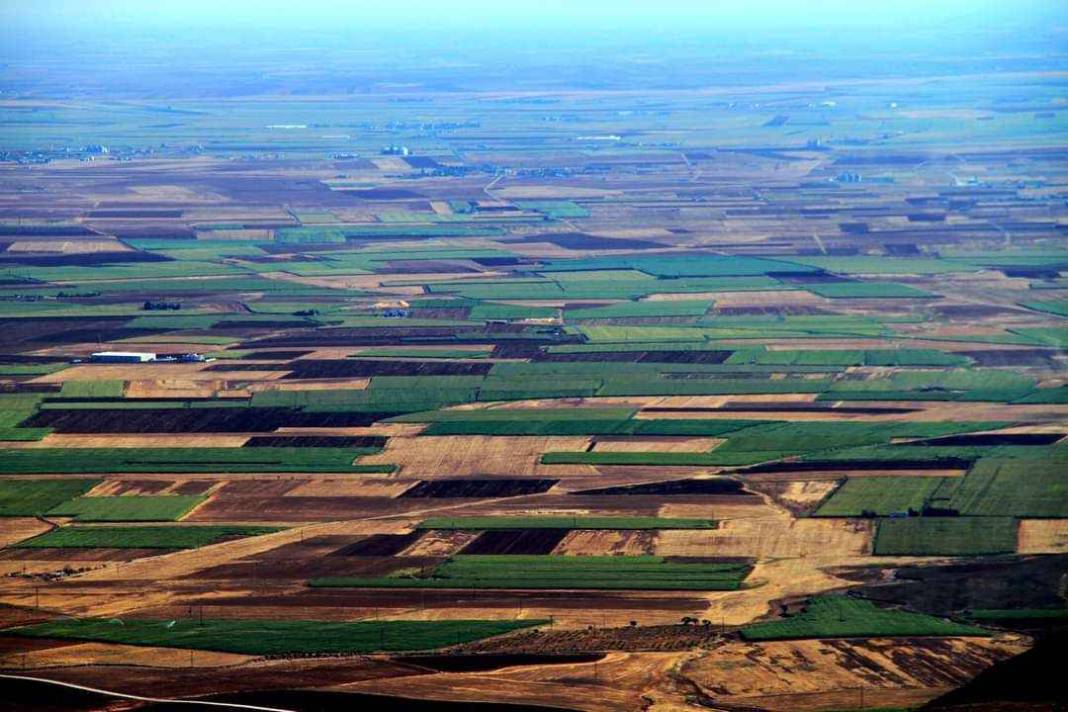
{"x": 596, "y": 395}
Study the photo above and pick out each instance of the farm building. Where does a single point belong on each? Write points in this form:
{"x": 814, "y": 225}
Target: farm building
{"x": 122, "y": 357}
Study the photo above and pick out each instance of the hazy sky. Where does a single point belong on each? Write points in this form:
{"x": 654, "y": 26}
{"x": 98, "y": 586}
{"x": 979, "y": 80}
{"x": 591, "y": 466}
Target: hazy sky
{"x": 428, "y": 14}
{"x": 102, "y": 44}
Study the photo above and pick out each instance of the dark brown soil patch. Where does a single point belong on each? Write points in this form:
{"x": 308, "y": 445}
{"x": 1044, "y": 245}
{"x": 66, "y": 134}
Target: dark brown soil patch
{"x": 193, "y": 420}
{"x": 943, "y": 463}
{"x": 501, "y": 487}
{"x": 366, "y": 368}
{"x": 640, "y": 356}
{"x": 717, "y": 486}
{"x": 1034, "y": 677}
{"x": 988, "y": 582}
{"x": 992, "y": 440}
{"x": 363, "y": 441}
{"x": 585, "y": 241}
{"x": 380, "y": 544}
{"x": 118, "y": 213}
{"x": 274, "y": 355}
{"x": 516, "y": 541}
{"x": 1038, "y": 358}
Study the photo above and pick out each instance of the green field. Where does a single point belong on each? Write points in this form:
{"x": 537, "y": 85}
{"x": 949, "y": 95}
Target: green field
{"x": 843, "y": 617}
{"x": 973, "y": 384}
{"x": 134, "y": 537}
{"x": 665, "y": 459}
{"x": 879, "y": 495}
{"x": 30, "y": 498}
{"x": 1059, "y": 308}
{"x": 593, "y": 426}
{"x": 133, "y": 508}
{"x": 554, "y": 209}
{"x": 577, "y": 522}
{"x": 276, "y": 637}
{"x": 945, "y": 536}
{"x": 640, "y": 310}
{"x": 92, "y": 389}
{"x": 857, "y": 357}
{"x": 417, "y": 352}
{"x": 995, "y": 614}
{"x": 868, "y": 290}
{"x": 235, "y": 459}
{"x": 1009, "y": 488}
{"x": 8, "y": 370}
{"x": 752, "y": 442}
{"x": 864, "y": 264}
{"x": 15, "y": 408}
{"x": 493, "y": 415}
{"x": 653, "y": 573}
{"x": 491, "y": 310}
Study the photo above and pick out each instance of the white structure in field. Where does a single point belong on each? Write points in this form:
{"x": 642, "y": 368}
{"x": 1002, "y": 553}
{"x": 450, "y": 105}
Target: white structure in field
{"x": 122, "y": 357}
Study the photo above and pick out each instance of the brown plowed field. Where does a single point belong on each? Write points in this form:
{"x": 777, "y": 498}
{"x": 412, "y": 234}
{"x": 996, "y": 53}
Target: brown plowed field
{"x": 432, "y": 456}
{"x": 586, "y": 542}
{"x": 441, "y": 543}
{"x": 655, "y": 444}
{"x": 110, "y": 654}
{"x": 791, "y": 675}
{"x": 773, "y": 537}
{"x": 568, "y": 609}
{"x": 1042, "y": 536}
{"x": 15, "y": 529}
{"x": 335, "y": 487}
{"x": 225, "y": 507}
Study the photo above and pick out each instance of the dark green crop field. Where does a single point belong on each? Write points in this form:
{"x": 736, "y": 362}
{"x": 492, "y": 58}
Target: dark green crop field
{"x": 130, "y": 508}
{"x": 842, "y": 617}
{"x": 564, "y": 572}
{"x": 286, "y": 637}
{"x": 945, "y": 536}
{"x": 140, "y": 537}
{"x": 28, "y": 498}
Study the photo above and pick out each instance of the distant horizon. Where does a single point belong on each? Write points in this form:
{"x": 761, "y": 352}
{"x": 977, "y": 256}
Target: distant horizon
{"x": 425, "y": 17}
{"x": 133, "y": 49}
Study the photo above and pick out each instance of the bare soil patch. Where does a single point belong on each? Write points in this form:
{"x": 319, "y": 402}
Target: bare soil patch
{"x": 1042, "y": 536}
{"x": 445, "y": 455}
{"x": 586, "y": 542}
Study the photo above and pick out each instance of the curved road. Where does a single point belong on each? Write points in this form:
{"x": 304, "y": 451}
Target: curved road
{"x": 109, "y": 693}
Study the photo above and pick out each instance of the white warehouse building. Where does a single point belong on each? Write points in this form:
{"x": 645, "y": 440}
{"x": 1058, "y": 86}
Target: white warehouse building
{"x": 122, "y": 357}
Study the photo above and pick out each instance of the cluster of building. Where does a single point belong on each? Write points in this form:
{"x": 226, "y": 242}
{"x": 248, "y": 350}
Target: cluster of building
{"x": 144, "y": 357}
